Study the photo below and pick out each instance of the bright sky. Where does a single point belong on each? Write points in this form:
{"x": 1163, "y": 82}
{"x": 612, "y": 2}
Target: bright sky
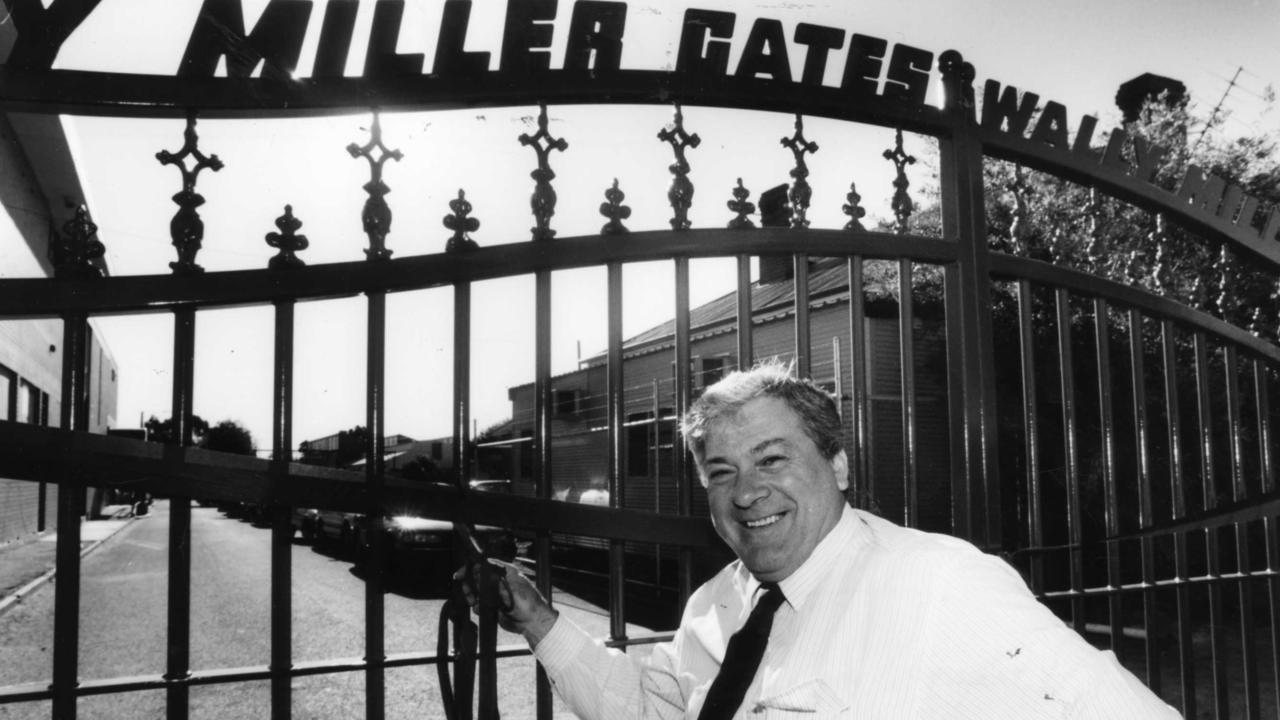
{"x": 1076, "y": 53}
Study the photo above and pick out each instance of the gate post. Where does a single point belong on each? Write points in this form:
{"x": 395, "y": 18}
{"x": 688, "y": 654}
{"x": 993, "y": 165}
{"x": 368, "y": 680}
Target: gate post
{"x": 976, "y": 502}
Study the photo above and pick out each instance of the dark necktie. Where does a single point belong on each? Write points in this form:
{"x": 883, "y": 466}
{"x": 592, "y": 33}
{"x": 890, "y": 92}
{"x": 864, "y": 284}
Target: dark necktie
{"x": 742, "y": 658}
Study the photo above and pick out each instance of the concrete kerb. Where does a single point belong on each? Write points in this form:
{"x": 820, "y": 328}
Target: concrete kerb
{"x": 111, "y": 526}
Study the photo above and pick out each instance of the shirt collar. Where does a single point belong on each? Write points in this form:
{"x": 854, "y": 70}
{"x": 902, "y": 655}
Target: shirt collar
{"x": 797, "y": 586}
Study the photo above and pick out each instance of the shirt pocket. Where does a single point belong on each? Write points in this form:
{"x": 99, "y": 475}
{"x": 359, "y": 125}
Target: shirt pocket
{"x": 812, "y": 700}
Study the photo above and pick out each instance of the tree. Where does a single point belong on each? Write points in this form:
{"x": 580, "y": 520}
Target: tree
{"x": 165, "y": 432}
{"x": 229, "y": 436}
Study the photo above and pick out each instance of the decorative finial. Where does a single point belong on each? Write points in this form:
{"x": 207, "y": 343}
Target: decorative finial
{"x": 902, "y": 205}
{"x": 681, "y": 191}
{"x": 614, "y": 210}
{"x": 376, "y": 215}
{"x": 186, "y": 228}
{"x": 800, "y": 192}
{"x": 854, "y": 209}
{"x": 287, "y": 241}
{"x": 461, "y": 223}
{"x": 543, "y": 201}
{"x": 73, "y": 252}
{"x": 743, "y": 207}
{"x": 1018, "y": 224}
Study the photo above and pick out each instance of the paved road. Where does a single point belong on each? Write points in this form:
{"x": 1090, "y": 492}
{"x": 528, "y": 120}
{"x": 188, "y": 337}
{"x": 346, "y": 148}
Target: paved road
{"x": 124, "y": 596}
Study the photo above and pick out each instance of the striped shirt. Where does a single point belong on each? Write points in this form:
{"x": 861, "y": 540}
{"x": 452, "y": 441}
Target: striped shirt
{"x": 880, "y": 622}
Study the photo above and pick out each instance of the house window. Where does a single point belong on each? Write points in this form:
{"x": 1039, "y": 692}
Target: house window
{"x": 565, "y": 402}
{"x": 713, "y": 369}
{"x": 639, "y": 444}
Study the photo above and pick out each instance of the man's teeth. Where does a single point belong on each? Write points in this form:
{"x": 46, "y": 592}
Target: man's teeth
{"x": 763, "y": 521}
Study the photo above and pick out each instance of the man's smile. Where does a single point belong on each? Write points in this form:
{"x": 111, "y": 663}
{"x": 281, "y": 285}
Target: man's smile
{"x": 763, "y": 522}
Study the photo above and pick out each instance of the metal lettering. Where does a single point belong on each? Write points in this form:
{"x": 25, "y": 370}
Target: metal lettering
{"x": 999, "y": 107}
{"x": 820, "y": 41}
{"x": 862, "y": 68}
{"x": 336, "y": 30}
{"x": 596, "y": 28}
{"x": 1148, "y": 156}
{"x": 526, "y": 36}
{"x": 382, "y": 59}
{"x": 41, "y": 31}
{"x": 451, "y": 60}
{"x": 1051, "y": 127}
{"x": 704, "y": 47}
{"x": 908, "y": 78}
{"x": 274, "y": 43}
{"x": 756, "y": 61}
{"x": 1084, "y": 135}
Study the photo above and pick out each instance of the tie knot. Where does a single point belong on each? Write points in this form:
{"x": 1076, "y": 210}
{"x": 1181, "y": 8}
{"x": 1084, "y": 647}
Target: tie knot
{"x": 770, "y": 601}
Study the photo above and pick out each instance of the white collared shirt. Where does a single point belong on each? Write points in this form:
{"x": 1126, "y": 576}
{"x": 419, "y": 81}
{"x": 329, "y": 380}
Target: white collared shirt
{"x": 879, "y": 622}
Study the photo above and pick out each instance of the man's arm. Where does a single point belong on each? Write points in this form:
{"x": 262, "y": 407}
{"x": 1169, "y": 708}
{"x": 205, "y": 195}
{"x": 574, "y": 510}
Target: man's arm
{"x": 595, "y": 681}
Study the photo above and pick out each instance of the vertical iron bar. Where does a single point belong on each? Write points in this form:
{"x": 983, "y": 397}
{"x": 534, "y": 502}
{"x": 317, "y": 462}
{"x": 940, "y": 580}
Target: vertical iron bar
{"x": 1111, "y": 501}
{"x": 1071, "y": 467}
{"x": 860, "y": 481}
{"x": 179, "y": 640}
{"x": 1244, "y": 565}
{"x": 683, "y": 467}
{"x": 1266, "y": 462}
{"x": 655, "y": 474}
{"x": 463, "y": 455}
{"x": 1178, "y": 494}
{"x": 615, "y": 400}
{"x": 374, "y": 550}
{"x": 1031, "y": 433}
{"x": 1217, "y": 632}
{"x": 1141, "y": 439}
{"x": 74, "y": 415}
{"x": 804, "y": 347}
{"x": 282, "y": 527}
{"x": 542, "y": 454}
{"x": 746, "y": 351}
{"x": 962, "y": 500}
{"x": 907, "y": 377}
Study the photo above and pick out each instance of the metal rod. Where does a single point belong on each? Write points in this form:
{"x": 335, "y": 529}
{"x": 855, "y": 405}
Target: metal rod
{"x": 804, "y": 345}
{"x": 282, "y": 526}
{"x": 1266, "y": 462}
{"x": 746, "y": 352}
{"x": 907, "y": 379}
{"x": 859, "y": 484}
{"x": 66, "y": 599}
{"x": 684, "y": 468}
{"x": 617, "y": 452}
{"x": 962, "y": 512}
{"x": 1208, "y": 484}
{"x": 1142, "y": 440}
{"x": 1070, "y": 444}
{"x": 1240, "y": 492}
{"x": 542, "y": 455}
{"x": 1178, "y": 496}
{"x": 374, "y": 550}
{"x": 179, "y": 638}
{"x": 1111, "y": 501}
{"x": 1031, "y": 433}
{"x": 462, "y": 442}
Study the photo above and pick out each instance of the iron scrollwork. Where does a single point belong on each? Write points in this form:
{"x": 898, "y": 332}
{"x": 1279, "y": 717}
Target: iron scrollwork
{"x": 902, "y": 204}
{"x": 743, "y": 207}
{"x": 186, "y": 228}
{"x": 543, "y": 201}
{"x": 613, "y": 209}
{"x": 854, "y": 209}
{"x": 681, "y": 191}
{"x": 376, "y": 216}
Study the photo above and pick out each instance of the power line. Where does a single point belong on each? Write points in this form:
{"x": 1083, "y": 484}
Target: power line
{"x": 1213, "y": 116}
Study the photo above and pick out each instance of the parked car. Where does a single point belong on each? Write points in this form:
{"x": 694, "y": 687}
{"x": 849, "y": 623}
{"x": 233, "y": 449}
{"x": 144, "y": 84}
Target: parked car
{"x": 337, "y": 531}
{"x": 423, "y": 548}
{"x": 303, "y": 522}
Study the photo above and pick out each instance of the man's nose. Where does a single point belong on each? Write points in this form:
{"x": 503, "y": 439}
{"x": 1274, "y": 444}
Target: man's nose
{"x": 749, "y": 488}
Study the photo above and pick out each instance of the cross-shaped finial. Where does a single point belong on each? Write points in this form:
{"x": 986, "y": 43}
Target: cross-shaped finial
{"x": 614, "y": 210}
{"x": 680, "y": 194}
{"x": 461, "y": 223}
{"x": 186, "y": 228}
{"x": 543, "y": 201}
{"x": 376, "y": 215}
{"x": 902, "y": 205}
{"x": 742, "y": 207}
{"x": 288, "y": 241}
{"x": 800, "y": 192}
{"x": 1018, "y": 225}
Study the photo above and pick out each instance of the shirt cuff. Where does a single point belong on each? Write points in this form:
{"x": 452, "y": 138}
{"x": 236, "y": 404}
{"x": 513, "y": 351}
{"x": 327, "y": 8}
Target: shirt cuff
{"x": 562, "y": 644}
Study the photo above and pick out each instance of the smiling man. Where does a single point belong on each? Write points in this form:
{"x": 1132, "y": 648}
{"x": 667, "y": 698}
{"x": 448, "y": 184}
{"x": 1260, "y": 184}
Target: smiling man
{"x": 828, "y": 612}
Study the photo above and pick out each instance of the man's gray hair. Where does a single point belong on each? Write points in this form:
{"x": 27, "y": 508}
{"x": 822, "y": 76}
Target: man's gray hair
{"x": 816, "y": 409}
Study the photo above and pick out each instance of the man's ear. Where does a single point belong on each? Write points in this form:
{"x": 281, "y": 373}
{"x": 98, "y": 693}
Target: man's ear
{"x": 840, "y": 466}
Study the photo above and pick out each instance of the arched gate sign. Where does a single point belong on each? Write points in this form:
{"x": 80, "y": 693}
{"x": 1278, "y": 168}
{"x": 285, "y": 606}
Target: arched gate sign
{"x": 1149, "y": 576}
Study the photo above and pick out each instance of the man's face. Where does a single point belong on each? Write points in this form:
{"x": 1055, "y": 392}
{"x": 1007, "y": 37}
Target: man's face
{"x": 772, "y": 495}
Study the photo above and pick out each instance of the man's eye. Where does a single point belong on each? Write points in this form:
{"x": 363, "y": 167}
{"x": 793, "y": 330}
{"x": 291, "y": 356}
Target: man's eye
{"x": 718, "y": 476}
{"x": 772, "y": 461}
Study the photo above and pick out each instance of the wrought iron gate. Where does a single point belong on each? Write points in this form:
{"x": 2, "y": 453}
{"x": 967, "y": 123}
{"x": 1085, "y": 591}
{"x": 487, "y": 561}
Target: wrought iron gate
{"x": 1170, "y": 500}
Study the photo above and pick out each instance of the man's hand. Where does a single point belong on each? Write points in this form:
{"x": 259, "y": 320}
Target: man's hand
{"x": 521, "y": 608}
